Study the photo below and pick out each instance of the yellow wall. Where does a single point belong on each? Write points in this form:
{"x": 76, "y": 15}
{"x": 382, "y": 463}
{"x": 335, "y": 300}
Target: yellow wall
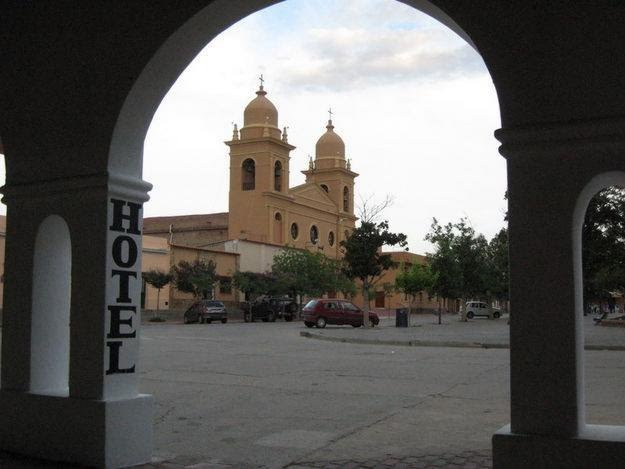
{"x": 155, "y": 256}
{"x": 398, "y": 299}
{"x": 227, "y": 265}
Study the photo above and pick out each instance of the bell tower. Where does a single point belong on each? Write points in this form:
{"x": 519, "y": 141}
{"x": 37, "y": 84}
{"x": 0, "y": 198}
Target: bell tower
{"x": 332, "y": 172}
{"x": 259, "y": 165}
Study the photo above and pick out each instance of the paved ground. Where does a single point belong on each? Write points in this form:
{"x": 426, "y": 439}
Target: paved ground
{"x": 260, "y": 395}
{"x": 425, "y": 330}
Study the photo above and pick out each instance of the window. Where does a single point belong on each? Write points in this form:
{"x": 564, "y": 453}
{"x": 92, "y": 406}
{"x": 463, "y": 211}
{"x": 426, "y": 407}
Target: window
{"x": 314, "y": 234}
{"x": 225, "y": 286}
{"x": 325, "y": 188}
{"x": 331, "y": 305}
{"x": 349, "y": 306}
{"x": 294, "y": 230}
{"x": 277, "y": 176}
{"x": 346, "y": 234}
{"x": 331, "y": 238}
{"x": 345, "y": 199}
{"x": 248, "y": 175}
{"x": 277, "y": 228}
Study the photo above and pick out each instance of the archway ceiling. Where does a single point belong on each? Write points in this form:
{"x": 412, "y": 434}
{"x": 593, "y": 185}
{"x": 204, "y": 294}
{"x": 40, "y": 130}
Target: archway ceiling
{"x": 68, "y": 68}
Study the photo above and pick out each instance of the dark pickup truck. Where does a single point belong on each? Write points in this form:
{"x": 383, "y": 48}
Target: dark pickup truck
{"x": 268, "y": 309}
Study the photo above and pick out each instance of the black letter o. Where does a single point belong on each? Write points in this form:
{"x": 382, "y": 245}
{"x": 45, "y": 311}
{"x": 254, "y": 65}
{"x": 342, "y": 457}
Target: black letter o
{"x": 117, "y": 251}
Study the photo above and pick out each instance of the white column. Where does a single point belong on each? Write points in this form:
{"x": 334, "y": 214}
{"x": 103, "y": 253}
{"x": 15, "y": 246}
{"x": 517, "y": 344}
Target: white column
{"x": 101, "y": 420}
{"x": 552, "y": 173}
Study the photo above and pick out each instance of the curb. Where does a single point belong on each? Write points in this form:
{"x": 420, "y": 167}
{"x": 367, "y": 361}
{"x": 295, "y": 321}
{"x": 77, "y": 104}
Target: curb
{"x": 443, "y": 343}
{"x": 407, "y": 343}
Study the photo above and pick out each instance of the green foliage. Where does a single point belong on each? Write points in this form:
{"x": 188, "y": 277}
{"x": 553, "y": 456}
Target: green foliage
{"x": 603, "y": 244}
{"x": 363, "y": 257}
{"x": 197, "y": 277}
{"x": 418, "y": 278}
{"x": 157, "y": 278}
{"x": 255, "y": 284}
{"x": 460, "y": 260}
{"x": 301, "y": 272}
{"x": 499, "y": 276}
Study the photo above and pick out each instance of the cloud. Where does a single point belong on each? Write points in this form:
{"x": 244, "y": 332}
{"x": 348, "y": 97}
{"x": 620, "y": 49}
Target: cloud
{"x": 413, "y": 102}
{"x": 339, "y": 59}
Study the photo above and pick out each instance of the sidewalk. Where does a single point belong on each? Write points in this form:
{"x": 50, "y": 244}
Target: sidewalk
{"x": 482, "y": 333}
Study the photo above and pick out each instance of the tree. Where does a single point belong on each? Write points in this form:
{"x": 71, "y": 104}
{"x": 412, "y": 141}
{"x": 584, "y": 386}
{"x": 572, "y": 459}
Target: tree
{"x": 302, "y": 272}
{"x": 255, "y": 284}
{"x": 418, "y": 278}
{"x": 363, "y": 257}
{"x": 603, "y": 245}
{"x": 499, "y": 276}
{"x": 460, "y": 260}
{"x": 370, "y": 210}
{"x": 158, "y": 279}
{"x": 197, "y": 277}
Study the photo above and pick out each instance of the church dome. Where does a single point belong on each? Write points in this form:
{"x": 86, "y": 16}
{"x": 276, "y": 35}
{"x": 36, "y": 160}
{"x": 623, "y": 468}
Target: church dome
{"x": 260, "y": 111}
{"x": 330, "y": 144}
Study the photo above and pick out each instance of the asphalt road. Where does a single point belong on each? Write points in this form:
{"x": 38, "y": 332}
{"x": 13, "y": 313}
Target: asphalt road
{"x": 260, "y": 395}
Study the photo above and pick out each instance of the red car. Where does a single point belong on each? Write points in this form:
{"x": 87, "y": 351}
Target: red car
{"x": 332, "y": 311}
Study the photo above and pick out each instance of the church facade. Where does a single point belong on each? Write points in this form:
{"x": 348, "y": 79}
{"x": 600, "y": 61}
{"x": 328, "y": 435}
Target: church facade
{"x": 265, "y": 213}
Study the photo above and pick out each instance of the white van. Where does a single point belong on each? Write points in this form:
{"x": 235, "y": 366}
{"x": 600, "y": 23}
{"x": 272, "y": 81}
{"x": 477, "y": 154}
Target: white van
{"x": 480, "y": 308}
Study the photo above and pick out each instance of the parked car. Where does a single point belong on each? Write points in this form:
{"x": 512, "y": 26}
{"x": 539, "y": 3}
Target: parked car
{"x": 480, "y": 308}
{"x": 332, "y": 311}
{"x": 206, "y": 311}
{"x": 268, "y": 309}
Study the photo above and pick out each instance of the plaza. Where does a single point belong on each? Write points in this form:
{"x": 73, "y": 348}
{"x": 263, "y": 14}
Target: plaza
{"x": 261, "y": 395}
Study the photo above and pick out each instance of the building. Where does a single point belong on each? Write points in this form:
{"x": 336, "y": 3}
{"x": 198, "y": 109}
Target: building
{"x": 265, "y": 212}
{"x": 75, "y": 107}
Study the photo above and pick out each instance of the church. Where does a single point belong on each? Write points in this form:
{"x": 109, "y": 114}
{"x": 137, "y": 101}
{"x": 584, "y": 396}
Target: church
{"x": 265, "y": 213}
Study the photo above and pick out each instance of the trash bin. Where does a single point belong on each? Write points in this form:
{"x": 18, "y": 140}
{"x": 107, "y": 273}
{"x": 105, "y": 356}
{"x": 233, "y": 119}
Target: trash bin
{"x": 401, "y": 317}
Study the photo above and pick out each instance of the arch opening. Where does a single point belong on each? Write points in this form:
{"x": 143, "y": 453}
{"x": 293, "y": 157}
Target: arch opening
{"x": 248, "y": 175}
{"x": 265, "y": 175}
{"x": 599, "y": 247}
{"x": 277, "y": 176}
{"x": 277, "y": 228}
{"x": 50, "y": 320}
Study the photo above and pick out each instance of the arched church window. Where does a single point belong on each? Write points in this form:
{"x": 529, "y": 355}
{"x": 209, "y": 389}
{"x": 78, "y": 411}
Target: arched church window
{"x": 248, "y": 175}
{"x": 346, "y": 234}
{"x": 331, "y": 238}
{"x": 325, "y": 188}
{"x": 294, "y": 230}
{"x": 277, "y": 228}
{"x": 277, "y": 176}
{"x": 314, "y": 234}
{"x": 345, "y": 199}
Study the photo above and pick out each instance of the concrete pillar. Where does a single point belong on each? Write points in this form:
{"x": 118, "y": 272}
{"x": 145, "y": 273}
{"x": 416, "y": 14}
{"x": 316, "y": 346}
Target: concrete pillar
{"x": 73, "y": 263}
{"x": 553, "y": 171}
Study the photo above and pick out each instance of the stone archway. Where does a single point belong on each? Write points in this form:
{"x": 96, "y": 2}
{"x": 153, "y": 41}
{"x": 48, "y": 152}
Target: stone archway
{"x": 557, "y": 70}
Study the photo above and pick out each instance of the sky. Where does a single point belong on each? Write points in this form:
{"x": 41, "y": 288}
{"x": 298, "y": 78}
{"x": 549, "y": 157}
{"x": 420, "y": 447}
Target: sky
{"x": 412, "y": 101}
